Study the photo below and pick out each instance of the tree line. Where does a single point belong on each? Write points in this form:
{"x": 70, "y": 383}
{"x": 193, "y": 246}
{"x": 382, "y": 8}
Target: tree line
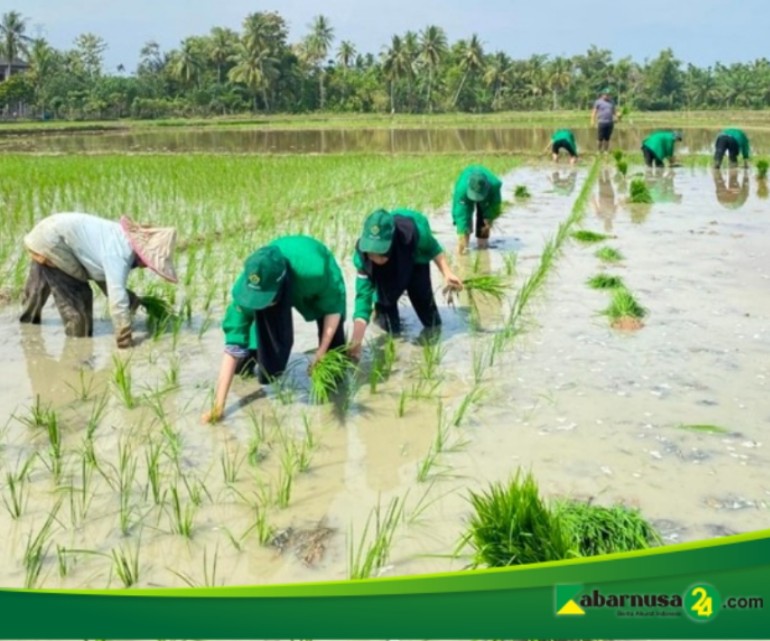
{"x": 259, "y": 70}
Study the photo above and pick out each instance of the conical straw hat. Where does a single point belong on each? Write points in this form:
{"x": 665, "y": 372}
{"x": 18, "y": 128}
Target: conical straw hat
{"x": 154, "y": 246}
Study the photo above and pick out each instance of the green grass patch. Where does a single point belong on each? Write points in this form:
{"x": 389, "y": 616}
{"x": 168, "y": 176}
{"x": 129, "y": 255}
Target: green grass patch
{"x": 638, "y": 192}
{"x": 521, "y": 192}
{"x": 622, "y": 167}
{"x": 586, "y": 236}
{"x": 609, "y": 255}
{"x": 704, "y": 427}
{"x": 605, "y": 281}
{"x": 762, "y": 166}
{"x": 624, "y": 305}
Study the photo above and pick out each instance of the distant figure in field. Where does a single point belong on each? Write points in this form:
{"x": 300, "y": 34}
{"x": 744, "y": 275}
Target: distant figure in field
{"x": 477, "y": 190}
{"x": 604, "y": 117}
{"x": 732, "y": 193}
{"x": 732, "y": 142}
{"x": 658, "y": 148}
{"x": 564, "y": 139}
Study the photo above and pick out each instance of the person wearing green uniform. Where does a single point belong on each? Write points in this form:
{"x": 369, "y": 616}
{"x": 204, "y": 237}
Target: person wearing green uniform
{"x": 732, "y": 142}
{"x": 564, "y": 139}
{"x": 291, "y": 272}
{"x": 393, "y": 256}
{"x": 476, "y": 190}
{"x": 659, "y": 147}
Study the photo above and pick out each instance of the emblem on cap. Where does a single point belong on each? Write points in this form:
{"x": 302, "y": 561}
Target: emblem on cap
{"x": 375, "y": 230}
{"x": 254, "y": 279}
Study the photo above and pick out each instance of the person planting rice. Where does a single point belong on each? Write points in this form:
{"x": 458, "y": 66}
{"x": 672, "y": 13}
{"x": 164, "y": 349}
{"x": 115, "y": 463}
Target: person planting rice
{"x": 659, "y": 147}
{"x": 732, "y": 142}
{"x": 564, "y": 139}
{"x": 70, "y": 249}
{"x": 393, "y": 256}
{"x": 291, "y": 272}
{"x": 476, "y": 190}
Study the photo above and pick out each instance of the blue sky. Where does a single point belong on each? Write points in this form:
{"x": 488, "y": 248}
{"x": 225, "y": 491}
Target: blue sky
{"x": 701, "y": 32}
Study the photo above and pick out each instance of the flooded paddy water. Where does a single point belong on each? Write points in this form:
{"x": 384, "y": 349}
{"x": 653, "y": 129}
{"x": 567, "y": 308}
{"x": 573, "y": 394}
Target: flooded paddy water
{"x": 592, "y": 411}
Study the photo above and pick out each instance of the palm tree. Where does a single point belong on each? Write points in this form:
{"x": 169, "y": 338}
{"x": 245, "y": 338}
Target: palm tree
{"x": 411, "y": 45}
{"x": 433, "y": 47}
{"x": 41, "y": 63}
{"x": 254, "y": 69}
{"x": 187, "y": 61}
{"x": 14, "y": 41}
{"x": 395, "y": 65}
{"x": 559, "y": 76}
{"x": 496, "y": 76}
{"x": 346, "y": 53}
{"x": 221, "y": 47}
{"x": 316, "y": 49}
{"x": 471, "y": 60}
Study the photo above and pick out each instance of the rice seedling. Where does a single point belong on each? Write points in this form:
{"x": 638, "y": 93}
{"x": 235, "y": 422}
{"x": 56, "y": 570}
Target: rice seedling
{"x": 638, "y": 192}
{"x": 209, "y": 571}
{"x": 622, "y": 167}
{"x": 37, "y": 547}
{"x": 370, "y": 555}
{"x": 762, "y": 166}
{"x": 469, "y": 400}
{"x": 596, "y": 530}
{"x": 264, "y": 530}
{"x": 433, "y": 352}
{"x": 609, "y": 255}
{"x": 38, "y": 414}
{"x": 427, "y": 464}
{"x": 16, "y": 491}
{"x": 402, "y": 403}
{"x": 121, "y": 379}
{"x": 605, "y": 281}
{"x": 587, "y": 236}
{"x": 509, "y": 260}
{"x": 182, "y": 515}
{"x": 172, "y": 374}
{"x": 285, "y": 480}
{"x": 327, "y": 374}
{"x": 489, "y": 285}
{"x": 160, "y": 314}
{"x": 521, "y": 192}
{"x": 704, "y": 428}
{"x": 512, "y": 525}
{"x": 231, "y": 464}
{"x": 125, "y": 562}
{"x": 62, "y": 561}
{"x": 154, "y": 476}
{"x": 624, "y": 305}
{"x": 196, "y": 489}
{"x": 617, "y": 155}
{"x": 126, "y": 476}
{"x": 54, "y": 443}
{"x": 84, "y": 388}
{"x": 95, "y": 417}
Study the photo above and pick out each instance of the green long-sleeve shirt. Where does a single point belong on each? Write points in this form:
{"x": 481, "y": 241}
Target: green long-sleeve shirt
{"x": 661, "y": 143}
{"x": 463, "y": 207}
{"x": 742, "y": 140}
{"x": 317, "y": 289}
{"x": 426, "y": 249}
{"x": 567, "y": 136}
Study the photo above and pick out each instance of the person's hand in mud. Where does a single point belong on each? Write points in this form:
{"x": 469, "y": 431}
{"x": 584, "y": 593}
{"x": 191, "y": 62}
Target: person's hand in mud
{"x": 214, "y": 415}
{"x": 315, "y": 360}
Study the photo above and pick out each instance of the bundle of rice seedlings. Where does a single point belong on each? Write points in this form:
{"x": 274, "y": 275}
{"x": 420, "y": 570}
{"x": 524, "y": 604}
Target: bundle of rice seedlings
{"x": 762, "y": 166}
{"x": 605, "y": 281}
{"x": 327, "y": 374}
{"x": 586, "y": 236}
{"x": 490, "y": 285}
{"x": 159, "y": 312}
{"x": 596, "y": 530}
{"x": 639, "y": 193}
{"x": 624, "y": 305}
{"x": 512, "y": 525}
{"x": 622, "y": 167}
{"x": 609, "y": 255}
{"x": 617, "y": 154}
{"x": 521, "y": 191}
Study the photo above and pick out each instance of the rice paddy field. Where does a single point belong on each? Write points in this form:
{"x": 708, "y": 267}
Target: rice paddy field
{"x": 626, "y": 361}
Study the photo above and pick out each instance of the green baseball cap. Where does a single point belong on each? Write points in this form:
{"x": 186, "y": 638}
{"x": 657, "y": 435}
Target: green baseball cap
{"x": 377, "y": 236}
{"x": 263, "y": 273}
{"x": 478, "y": 187}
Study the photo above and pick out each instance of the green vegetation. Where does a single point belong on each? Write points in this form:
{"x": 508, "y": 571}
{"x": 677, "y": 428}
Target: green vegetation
{"x": 609, "y": 255}
{"x": 587, "y": 236}
{"x": 622, "y": 167}
{"x": 327, "y": 374}
{"x": 704, "y": 427}
{"x": 522, "y": 192}
{"x": 638, "y": 192}
{"x": 762, "y": 166}
{"x": 624, "y": 305}
{"x": 605, "y": 281}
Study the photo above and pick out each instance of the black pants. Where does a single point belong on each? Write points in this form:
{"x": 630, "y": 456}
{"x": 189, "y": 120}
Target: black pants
{"x": 725, "y": 144}
{"x": 604, "y": 131}
{"x": 650, "y": 159}
{"x": 563, "y": 144}
{"x": 420, "y": 292}
{"x": 275, "y": 331}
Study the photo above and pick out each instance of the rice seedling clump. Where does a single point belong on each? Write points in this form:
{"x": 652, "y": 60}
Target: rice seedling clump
{"x": 639, "y": 193}
{"x": 605, "y": 281}
{"x": 762, "y": 166}
{"x": 327, "y": 374}
{"x": 586, "y": 236}
{"x": 609, "y": 255}
{"x": 521, "y": 191}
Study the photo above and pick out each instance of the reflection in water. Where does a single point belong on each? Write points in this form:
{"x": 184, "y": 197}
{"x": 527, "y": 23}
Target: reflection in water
{"x": 604, "y": 199}
{"x": 733, "y": 192}
{"x": 564, "y": 185}
{"x": 762, "y": 188}
{"x": 661, "y": 186}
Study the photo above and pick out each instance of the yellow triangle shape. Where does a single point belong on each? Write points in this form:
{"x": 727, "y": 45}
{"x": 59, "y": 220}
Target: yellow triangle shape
{"x": 570, "y": 608}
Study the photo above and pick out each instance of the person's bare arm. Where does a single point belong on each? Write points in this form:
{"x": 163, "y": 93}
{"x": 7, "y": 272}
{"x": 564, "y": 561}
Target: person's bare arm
{"x": 330, "y": 325}
{"x": 226, "y": 375}
{"x": 450, "y": 279}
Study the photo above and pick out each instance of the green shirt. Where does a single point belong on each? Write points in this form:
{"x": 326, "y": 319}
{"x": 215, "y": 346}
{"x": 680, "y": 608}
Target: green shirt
{"x": 741, "y": 139}
{"x": 426, "y": 249}
{"x": 462, "y": 208}
{"x": 567, "y": 136}
{"x": 661, "y": 143}
{"x": 317, "y": 289}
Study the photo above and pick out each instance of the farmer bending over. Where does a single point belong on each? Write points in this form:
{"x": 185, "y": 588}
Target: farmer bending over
{"x": 476, "y": 190}
{"x": 659, "y": 147}
{"x": 70, "y": 249}
{"x": 732, "y": 142}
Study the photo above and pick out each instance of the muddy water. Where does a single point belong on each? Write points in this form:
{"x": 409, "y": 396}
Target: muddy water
{"x": 593, "y": 412}
{"x": 520, "y": 140}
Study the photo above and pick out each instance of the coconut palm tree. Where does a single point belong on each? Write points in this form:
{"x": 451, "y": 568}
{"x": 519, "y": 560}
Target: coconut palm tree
{"x": 316, "y": 49}
{"x": 188, "y": 61}
{"x": 221, "y": 48}
{"x": 395, "y": 65}
{"x": 346, "y": 53}
{"x": 433, "y": 48}
{"x": 496, "y": 76}
{"x": 255, "y": 69}
{"x": 471, "y": 61}
{"x": 559, "y": 75}
{"x": 12, "y": 38}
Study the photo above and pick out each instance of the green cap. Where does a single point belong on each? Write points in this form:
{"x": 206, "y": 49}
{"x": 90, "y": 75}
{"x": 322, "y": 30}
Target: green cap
{"x": 263, "y": 273}
{"x": 478, "y": 187}
{"x": 378, "y": 233}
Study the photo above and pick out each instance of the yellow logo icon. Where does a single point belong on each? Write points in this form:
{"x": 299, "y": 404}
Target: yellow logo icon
{"x": 571, "y": 608}
{"x": 567, "y": 600}
{"x": 254, "y": 279}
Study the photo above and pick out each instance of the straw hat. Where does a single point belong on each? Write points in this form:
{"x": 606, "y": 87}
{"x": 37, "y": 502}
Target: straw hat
{"x": 154, "y": 246}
